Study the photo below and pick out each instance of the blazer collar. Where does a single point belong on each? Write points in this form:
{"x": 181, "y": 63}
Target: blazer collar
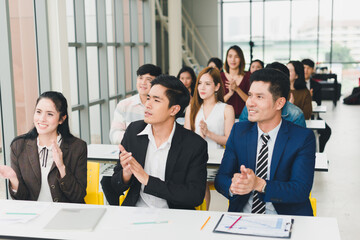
{"x": 33, "y": 157}
{"x": 252, "y": 140}
{"x": 281, "y": 140}
{"x": 174, "y": 151}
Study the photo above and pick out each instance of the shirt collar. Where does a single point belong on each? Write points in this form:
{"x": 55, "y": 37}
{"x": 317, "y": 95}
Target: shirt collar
{"x": 58, "y": 140}
{"x": 137, "y": 100}
{"x": 273, "y": 133}
{"x": 148, "y": 131}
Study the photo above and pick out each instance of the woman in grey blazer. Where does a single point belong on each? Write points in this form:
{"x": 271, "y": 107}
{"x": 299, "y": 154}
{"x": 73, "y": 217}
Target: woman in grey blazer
{"x": 48, "y": 163}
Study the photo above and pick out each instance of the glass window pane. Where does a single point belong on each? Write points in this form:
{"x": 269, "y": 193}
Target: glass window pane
{"x": 95, "y": 124}
{"x": 349, "y": 77}
{"x": 112, "y": 71}
{"x": 304, "y": 30}
{"x": 324, "y": 31}
{"x": 112, "y": 105}
{"x": 236, "y": 27}
{"x": 73, "y": 76}
{"x": 2, "y": 182}
{"x": 110, "y": 24}
{"x": 90, "y": 21}
{"x": 70, "y": 20}
{"x": 93, "y": 73}
{"x": 75, "y": 123}
{"x": 141, "y": 30}
{"x": 346, "y": 31}
{"x": 24, "y": 60}
{"x": 257, "y": 30}
{"x": 128, "y": 83}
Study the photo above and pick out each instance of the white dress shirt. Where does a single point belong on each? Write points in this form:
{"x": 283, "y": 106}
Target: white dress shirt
{"x": 269, "y": 207}
{"x": 155, "y": 164}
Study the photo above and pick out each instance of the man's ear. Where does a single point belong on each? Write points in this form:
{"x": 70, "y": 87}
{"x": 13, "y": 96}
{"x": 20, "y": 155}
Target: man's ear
{"x": 174, "y": 110}
{"x": 280, "y": 102}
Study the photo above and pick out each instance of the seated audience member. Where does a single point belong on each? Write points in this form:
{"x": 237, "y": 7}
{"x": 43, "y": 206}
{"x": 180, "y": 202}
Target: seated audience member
{"x": 315, "y": 91}
{"x": 48, "y": 163}
{"x": 235, "y": 79}
{"x": 132, "y": 108}
{"x": 299, "y": 94}
{"x": 289, "y": 112}
{"x": 215, "y": 63}
{"x": 256, "y": 65}
{"x": 161, "y": 163}
{"x": 268, "y": 164}
{"x": 188, "y": 78}
{"x": 208, "y": 115}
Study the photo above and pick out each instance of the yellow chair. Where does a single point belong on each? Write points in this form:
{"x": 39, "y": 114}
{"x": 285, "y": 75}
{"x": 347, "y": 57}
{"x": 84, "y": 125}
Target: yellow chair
{"x": 93, "y": 196}
{"x": 202, "y": 207}
{"x": 313, "y": 204}
{"x": 122, "y": 197}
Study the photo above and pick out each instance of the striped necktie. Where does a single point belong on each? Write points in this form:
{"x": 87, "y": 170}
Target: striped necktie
{"x": 261, "y": 171}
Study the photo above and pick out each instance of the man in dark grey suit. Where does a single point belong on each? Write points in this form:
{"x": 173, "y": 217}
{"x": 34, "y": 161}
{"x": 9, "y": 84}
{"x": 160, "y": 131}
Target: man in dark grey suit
{"x": 163, "y": 164}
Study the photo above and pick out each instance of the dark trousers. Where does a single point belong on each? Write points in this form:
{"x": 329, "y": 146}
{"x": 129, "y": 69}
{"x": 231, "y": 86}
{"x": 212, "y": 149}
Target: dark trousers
{"x": 324, "y": 135}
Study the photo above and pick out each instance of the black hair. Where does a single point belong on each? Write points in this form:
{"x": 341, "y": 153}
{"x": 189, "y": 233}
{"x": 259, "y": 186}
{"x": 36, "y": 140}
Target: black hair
{"x": 149, "y": 69}
{"x": 257, "y": 60}
{"x": 279, "y": 82}
{"x": 308, "y": 62}
{"x": 61, "y": 106}
{"x": 299, "y": 70}
{"x": 217, "y": 61}
{"x": 279, "y": 66}
{"x": 192, "y": 74}
{"x": 176, "y": 91}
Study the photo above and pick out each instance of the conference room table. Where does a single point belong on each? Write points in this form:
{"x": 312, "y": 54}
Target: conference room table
{"x": 107, "y": 153}
{"x": 140, "y": 223}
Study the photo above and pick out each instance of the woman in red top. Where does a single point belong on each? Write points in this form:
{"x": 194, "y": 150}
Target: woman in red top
{"x": 235, "y": 79}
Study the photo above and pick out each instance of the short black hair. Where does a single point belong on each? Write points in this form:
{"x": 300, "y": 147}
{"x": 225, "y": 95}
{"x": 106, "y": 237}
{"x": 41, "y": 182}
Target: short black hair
{"x": 279, "y": 82}
{"x": 149, "y": 69}
{"x": 308, "y": 62}
{"x": 176, "y": 91}
{"x": 299, "y": 70}
{"x": 216, "y": 61}
{"x": 279, "y": 66}
{"x": 192, "y": 74}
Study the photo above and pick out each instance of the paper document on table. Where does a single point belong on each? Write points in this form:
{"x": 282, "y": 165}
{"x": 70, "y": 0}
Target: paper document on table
{"x": 23, "y": 213}
{"x": 269, "y": 226}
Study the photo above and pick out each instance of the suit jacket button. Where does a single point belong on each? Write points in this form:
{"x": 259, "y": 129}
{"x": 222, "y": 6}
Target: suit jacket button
{"x": 56, "y": 199}
{"x": 52, "y": 186}
{"x": 62, "y": 183}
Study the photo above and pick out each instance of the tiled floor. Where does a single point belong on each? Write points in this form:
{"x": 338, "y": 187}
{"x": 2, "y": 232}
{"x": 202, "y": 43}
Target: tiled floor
{"x": 337, "y": 191}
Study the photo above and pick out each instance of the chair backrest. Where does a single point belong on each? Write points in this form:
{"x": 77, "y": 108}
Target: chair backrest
{"x": 93, "y": 196}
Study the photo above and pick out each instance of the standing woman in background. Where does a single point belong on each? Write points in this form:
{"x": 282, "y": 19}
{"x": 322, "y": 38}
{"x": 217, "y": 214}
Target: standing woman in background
{"x": 299, "y": 94}
{"x": 48, "y": 163}
{"x": 256, "y": 64}
{"x": 208, "y": 115}
{"x": 235, "y": 79}
{"x": 188, "y": 78}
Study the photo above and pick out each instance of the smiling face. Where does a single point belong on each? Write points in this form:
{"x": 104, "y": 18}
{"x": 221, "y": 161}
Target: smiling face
{"x": 186, "y": 79}
{"x": 308, "y": 71}
{"x": 46, "y": 117}
{"x": 143, "y": 83}
{"x": 206, "y": 87}
{"x": 261, "y": 106}
{"x": 233, "y": 59}
{"x": 157, "y": 109}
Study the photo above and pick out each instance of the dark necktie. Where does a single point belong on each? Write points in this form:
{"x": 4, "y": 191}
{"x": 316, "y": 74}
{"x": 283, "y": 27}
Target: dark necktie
{"x": 261, "y": 171}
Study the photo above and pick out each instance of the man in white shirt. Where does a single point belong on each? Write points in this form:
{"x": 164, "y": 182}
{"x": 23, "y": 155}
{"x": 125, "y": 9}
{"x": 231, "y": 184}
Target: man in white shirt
{"x": 161, "y": 163}
{"x": 132, "y": 109}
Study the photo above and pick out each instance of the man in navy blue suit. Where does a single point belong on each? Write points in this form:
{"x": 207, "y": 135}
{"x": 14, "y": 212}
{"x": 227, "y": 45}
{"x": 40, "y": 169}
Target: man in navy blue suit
{"x": 281, "y": 181}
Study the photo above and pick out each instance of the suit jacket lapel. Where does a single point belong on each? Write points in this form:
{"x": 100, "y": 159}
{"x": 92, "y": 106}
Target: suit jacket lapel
{"x": 174, "y": 151}
{"x": 33, "y": 156}
{"x": 143, "y": 142}
{"x": 281, "y": 140}
{"x": 64, "y": 147}
{"x": 252, "y": 140}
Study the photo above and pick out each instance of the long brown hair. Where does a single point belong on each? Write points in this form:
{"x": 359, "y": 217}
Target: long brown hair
{"x": 196, "y": 101}
{"x": 240, "y": 53}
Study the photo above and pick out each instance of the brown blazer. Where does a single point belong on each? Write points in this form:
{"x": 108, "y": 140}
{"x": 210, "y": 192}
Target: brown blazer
{"x": 25, "y": 162}
{"x": 302, "y": 99}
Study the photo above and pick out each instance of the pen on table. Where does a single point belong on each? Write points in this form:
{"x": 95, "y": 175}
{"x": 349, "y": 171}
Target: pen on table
{"x": 153, "y": 222}
{"x": 235, "y": 222}
{"x": 18, "y": 213}
{"x": 205, "y": 223}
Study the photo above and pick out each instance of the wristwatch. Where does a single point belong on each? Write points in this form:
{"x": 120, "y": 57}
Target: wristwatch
{"x": 264, "y": 188}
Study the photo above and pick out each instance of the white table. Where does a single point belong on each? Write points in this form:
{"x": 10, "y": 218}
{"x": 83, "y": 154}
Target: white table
{"x": 317, "y": 110}
{"x": 315, "y": 125}
{"x": 183, "y": 224}
{"x": 110, "y": 153}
